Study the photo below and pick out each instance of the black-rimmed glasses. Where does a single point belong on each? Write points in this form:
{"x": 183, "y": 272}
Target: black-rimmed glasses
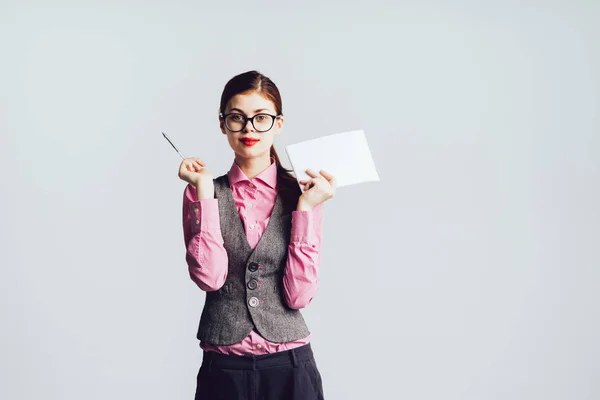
{"x": 236, "y": 122}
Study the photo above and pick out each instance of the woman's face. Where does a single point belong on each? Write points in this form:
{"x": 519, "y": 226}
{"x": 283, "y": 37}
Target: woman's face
{"x": 250, "y": 143}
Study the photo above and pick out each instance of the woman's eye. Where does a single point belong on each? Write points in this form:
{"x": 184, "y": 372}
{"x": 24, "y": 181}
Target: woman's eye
{"x": 236, "y": 117}
{"x": 261, "y": 117}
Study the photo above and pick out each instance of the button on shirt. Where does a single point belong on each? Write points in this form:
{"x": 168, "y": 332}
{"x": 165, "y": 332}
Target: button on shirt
{"x": 207, "y": 259}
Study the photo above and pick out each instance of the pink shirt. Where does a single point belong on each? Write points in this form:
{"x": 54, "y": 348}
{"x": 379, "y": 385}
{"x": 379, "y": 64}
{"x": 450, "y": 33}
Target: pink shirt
{"x": 207, "y": 259}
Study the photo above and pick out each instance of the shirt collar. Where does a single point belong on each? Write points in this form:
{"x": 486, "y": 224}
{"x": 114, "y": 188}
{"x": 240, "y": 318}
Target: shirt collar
{"x": 268, "y": 176}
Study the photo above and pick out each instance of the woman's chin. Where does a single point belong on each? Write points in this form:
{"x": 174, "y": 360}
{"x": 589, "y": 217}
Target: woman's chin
{"x": 251, "y": 152}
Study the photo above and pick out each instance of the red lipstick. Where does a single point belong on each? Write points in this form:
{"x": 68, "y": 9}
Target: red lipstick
{"x": 249, "y": 141}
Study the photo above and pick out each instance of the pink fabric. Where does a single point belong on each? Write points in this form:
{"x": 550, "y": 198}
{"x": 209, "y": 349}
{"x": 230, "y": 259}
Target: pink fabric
{"x": 207, "y": 258}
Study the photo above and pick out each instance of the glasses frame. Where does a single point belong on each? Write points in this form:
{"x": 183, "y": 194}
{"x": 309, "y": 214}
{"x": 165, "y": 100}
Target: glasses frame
{"x": 251, "y": 119}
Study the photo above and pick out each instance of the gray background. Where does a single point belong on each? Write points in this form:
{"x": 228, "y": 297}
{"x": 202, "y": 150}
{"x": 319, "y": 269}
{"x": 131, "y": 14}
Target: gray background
{"x": 469, "y": 272}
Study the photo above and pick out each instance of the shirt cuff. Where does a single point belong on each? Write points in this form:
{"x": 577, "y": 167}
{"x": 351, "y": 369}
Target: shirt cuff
{"x": 204, "y": 215}
{"x": 302, "y": 227}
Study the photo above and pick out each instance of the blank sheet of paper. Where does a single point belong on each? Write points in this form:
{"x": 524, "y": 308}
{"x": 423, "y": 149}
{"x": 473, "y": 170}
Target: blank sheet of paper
{"x": 346, "y": 156}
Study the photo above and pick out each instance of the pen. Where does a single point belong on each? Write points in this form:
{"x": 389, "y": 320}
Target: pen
{"x": 176, "y": 149}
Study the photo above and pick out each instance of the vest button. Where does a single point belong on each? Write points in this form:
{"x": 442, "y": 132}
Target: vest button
{"x": 253, "y": 267}
{"x": 252, "y": 284}
{"x": 253, "y": 302}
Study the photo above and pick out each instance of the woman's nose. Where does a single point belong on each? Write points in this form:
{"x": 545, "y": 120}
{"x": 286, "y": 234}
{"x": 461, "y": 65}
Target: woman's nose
{"x": 248, "y": 127}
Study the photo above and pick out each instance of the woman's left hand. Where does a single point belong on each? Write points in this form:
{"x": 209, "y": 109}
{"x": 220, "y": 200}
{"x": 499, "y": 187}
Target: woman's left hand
{"x": 316, "y": 190}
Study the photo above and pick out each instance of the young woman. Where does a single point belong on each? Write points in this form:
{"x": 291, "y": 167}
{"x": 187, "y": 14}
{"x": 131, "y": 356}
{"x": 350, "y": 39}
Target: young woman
{"x": 253, "y": 242}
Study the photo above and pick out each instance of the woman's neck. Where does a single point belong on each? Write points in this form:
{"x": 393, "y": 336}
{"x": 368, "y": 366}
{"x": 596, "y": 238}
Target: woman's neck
{"x": 251, "y": 167}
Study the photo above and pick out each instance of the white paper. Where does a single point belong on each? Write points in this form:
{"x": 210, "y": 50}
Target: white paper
{"x": 346, "y": 156}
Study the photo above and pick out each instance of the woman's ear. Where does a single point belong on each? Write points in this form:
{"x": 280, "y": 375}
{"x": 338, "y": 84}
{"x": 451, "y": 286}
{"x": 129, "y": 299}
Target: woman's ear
{"x": 279, "y": 125}
{"x": 222, "y": 126}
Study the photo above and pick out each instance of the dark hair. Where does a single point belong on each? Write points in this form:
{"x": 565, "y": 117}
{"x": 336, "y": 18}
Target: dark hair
{"x": 254, "y": 81}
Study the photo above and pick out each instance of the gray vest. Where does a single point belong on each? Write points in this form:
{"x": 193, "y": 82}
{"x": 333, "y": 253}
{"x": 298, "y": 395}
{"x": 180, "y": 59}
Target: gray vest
{"x": 252, "y": 295}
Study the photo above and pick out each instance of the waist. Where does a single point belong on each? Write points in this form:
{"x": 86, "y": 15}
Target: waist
{"x": 254, "y": 343}
{"x": 293, "y": 356}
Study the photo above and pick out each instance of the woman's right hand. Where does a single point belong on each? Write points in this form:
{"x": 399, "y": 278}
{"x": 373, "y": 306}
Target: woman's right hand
{"x": 193, "y": 171}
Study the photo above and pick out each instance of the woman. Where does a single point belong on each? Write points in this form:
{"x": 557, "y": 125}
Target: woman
{"x": 253, "y": 241}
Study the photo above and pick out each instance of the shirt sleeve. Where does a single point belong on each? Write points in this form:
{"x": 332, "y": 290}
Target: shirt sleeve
{"x": 301, "y": 276}
{"x": 206, "y": 256}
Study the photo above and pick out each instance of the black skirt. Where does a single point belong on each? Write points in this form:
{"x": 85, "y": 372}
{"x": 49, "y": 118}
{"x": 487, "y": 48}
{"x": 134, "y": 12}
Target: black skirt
{"x": 286, "y": 375}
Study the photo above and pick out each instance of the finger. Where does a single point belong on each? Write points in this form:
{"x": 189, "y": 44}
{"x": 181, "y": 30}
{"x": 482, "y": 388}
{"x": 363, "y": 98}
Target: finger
{"x": 327, "y": 175}
{"x": 198, "y": 165}
{"x": 311, "y": 173}
{"x": 202, "y": 163}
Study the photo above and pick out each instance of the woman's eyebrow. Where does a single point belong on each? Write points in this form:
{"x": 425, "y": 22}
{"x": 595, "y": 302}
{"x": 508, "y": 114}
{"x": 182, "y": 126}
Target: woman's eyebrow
{"x": 255, "y": 111}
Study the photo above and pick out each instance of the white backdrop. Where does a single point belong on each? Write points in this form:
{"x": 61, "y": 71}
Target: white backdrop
{"x": 469, "y": 272}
